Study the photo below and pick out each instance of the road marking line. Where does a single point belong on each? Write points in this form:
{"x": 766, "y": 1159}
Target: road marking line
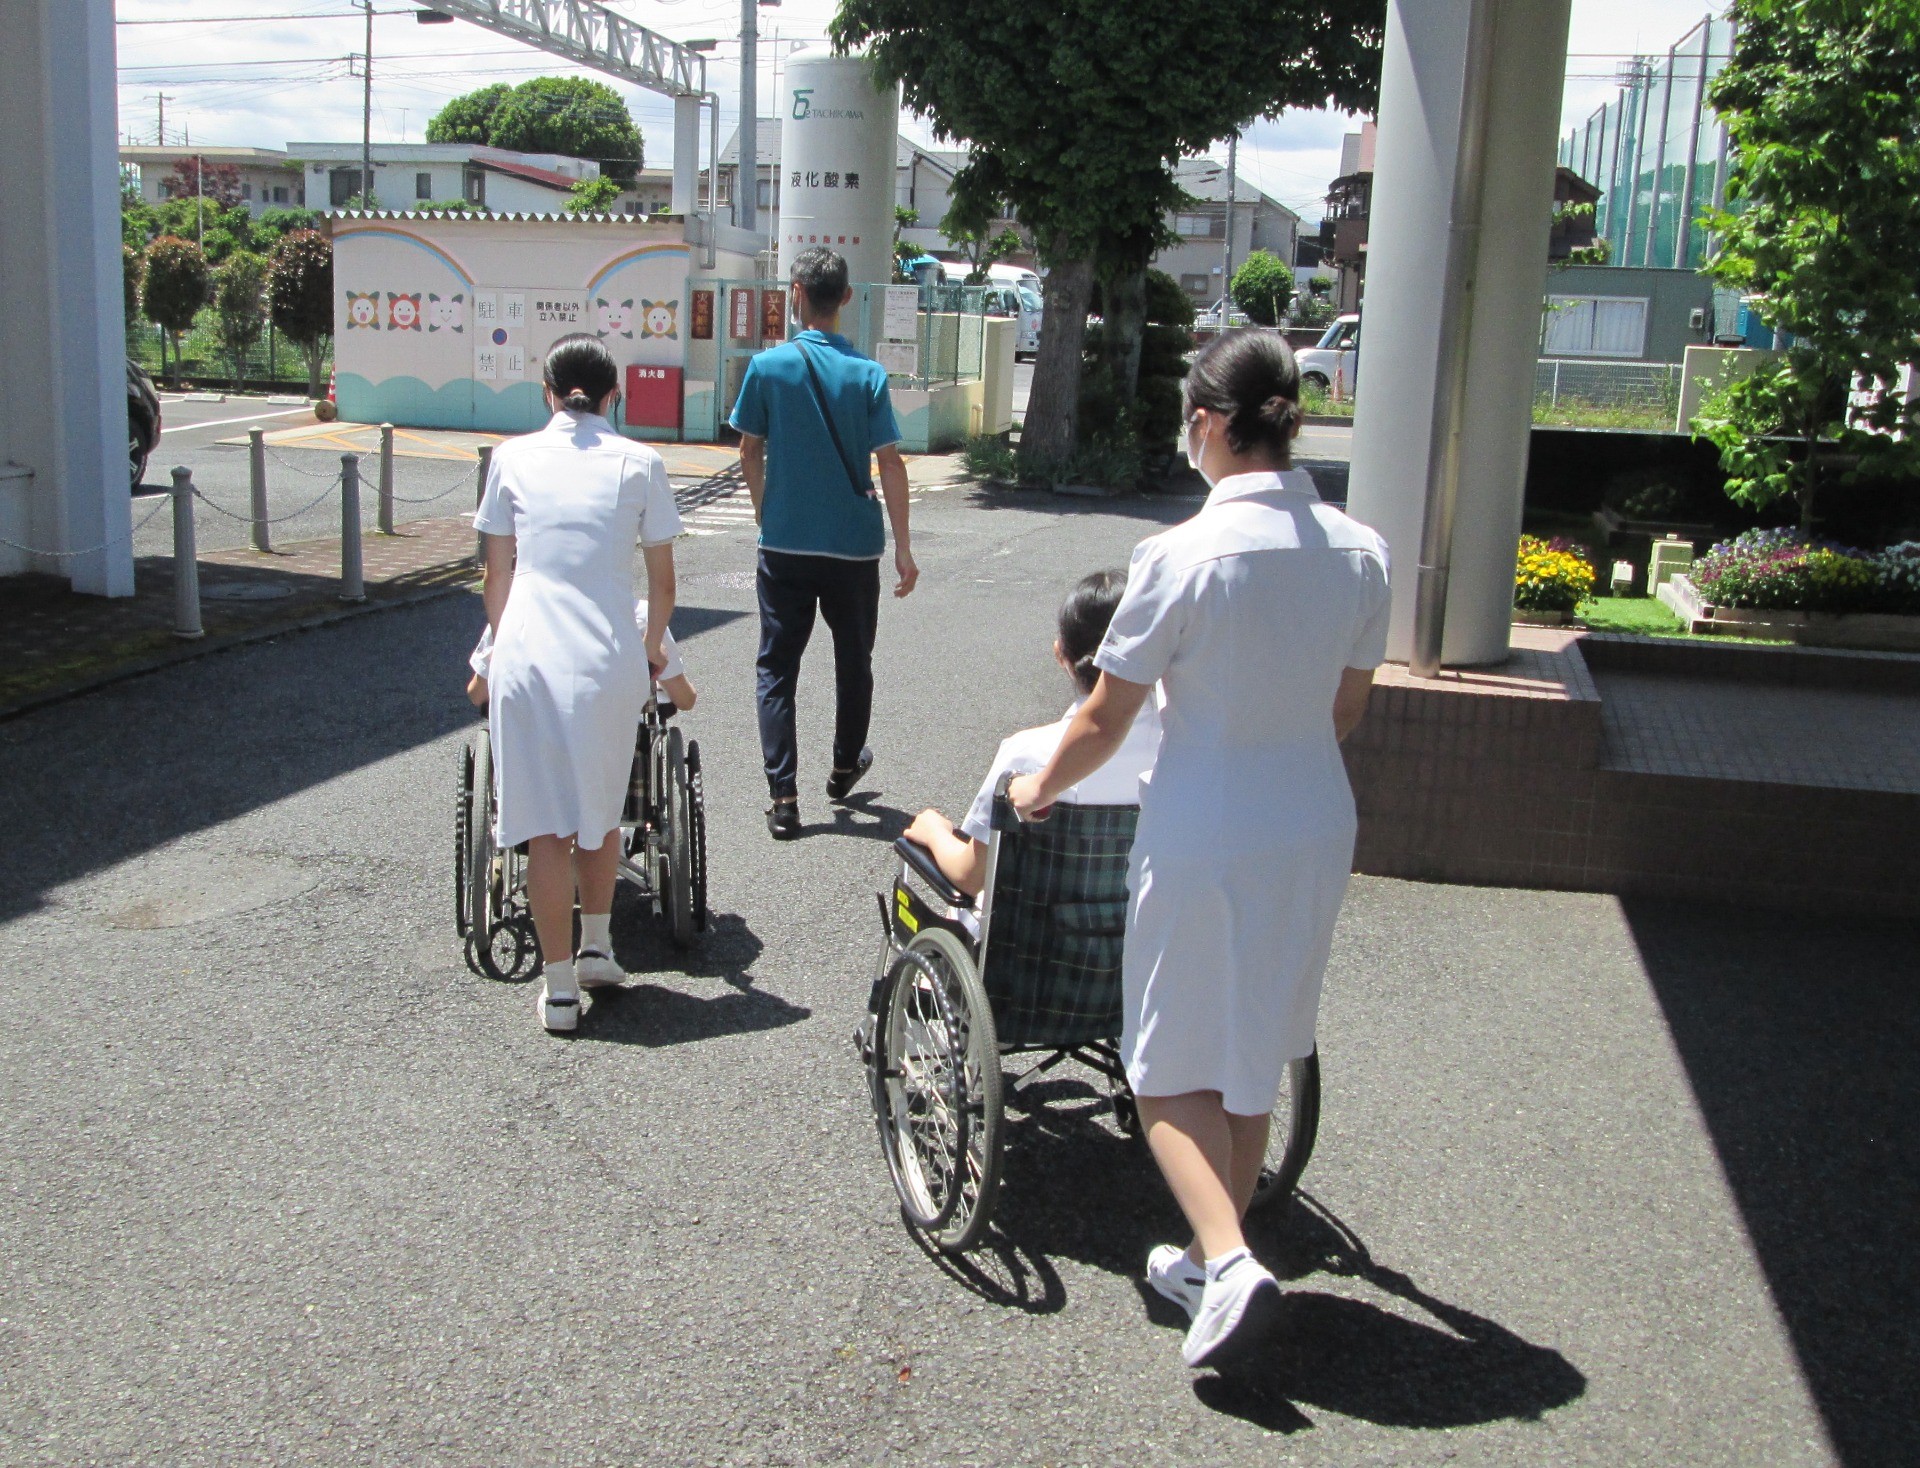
{"x": 229, "y": 422}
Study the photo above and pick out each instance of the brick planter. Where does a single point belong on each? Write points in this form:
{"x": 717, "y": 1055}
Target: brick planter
{"x": 1868, "y": 631}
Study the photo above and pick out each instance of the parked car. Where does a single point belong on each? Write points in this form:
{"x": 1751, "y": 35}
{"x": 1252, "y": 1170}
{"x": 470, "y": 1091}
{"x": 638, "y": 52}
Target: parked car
{"x": 143, "y": 420}
{"x": 1015, "y": 275}
{"x": 1026, "y": 306}
{"x": 1335, "y": 358}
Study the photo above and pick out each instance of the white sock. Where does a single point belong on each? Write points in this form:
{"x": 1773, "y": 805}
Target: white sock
{"x": 596, "y": 932}
{"x": 1218, "y": 1267}
{"x": 560, "y": 979}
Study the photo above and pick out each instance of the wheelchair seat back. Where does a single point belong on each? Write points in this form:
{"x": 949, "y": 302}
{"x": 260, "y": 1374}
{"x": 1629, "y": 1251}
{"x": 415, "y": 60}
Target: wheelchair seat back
{"x": 1055, "y": 920}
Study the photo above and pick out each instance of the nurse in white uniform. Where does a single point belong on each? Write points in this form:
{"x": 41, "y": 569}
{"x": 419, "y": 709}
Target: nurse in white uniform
{"x": 1261, "y": 619}
{"x": 562, "y": 511}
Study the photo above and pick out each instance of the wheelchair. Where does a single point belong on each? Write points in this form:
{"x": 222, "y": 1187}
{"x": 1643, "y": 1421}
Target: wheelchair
{"x": 1031, "y": 969}
{"x": 663, "y": 849}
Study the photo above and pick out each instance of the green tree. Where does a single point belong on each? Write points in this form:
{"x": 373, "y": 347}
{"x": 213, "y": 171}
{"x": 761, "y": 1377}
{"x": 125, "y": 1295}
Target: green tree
{"x": 593, "y": 196}
{"x": 969, "y": 224}
{"x": 300, "y": 297}
{"x": 903, "y": 250}
{"x": 274, "y": 225}
{"x": 1263, "y": 287}
{"x": 173, "y": 288}
{"x": 1823, "y": 233}
{"x": 1077, "y": 112}
{"x": 131, "y": 263}
{"x": 240, "y": 308}
{"x": 549, "y": 114}
{"x": 469, "y": 119}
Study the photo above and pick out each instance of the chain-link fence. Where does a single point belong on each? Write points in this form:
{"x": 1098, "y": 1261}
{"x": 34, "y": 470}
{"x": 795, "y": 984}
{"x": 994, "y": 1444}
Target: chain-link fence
{"x": 950, "y": 333}
{"x": 273, "y": 361}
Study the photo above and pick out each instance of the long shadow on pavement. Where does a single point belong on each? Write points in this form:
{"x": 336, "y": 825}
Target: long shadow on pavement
{"x": 656, "y": 1014}
{"x": 1801, "y": 1039}
{"x": 1075, "y": 1188}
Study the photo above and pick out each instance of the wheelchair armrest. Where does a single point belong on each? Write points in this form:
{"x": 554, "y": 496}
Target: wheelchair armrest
{"x": 921, "y": 860}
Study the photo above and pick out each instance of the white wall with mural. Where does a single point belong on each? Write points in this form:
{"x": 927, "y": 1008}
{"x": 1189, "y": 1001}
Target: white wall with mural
{"x": 444, "y": 322}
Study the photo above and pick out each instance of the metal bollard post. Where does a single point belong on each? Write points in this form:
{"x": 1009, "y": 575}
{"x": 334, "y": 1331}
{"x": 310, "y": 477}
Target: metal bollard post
{"x": 480, "y": 493}
{"x": 386, "y": 479}
{"x": 257, "y": 484}
{"x": 353, "y": 586}
{"x": 186, "y": 560}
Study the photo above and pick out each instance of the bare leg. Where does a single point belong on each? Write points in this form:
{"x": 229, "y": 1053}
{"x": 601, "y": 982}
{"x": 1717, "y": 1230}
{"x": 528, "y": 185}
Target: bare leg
{"x": 1193, "y": 1141}
{"x": 1249, "y": 1153}
{"x": 550, "y": 893}
{"x": 597, "y": 870}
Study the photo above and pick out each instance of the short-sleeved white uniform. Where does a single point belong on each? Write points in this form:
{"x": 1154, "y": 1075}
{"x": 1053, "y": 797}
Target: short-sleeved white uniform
{"x": 1117, "y": 782}
{"x": 481, "y": 658}
{"x": 1245, "y": 615}
{"x": 569, "y": 669}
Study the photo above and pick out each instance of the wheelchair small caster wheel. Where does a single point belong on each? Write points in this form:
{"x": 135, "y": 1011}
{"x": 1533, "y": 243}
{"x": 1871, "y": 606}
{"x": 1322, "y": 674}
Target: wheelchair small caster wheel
{"x": 1126, "y": 1115}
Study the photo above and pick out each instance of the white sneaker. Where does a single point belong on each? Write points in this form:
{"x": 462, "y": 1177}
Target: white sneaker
{"x": 1173, "y": 1274}
{"x": 559, "y": 1004}
{"x": 1238, "y": 1309}
{"x": 593, "y": 969}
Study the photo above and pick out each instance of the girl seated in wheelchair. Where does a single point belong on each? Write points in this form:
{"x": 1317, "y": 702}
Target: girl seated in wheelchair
{"x": 961, "y": 851}
{"x": 675, "y": 690}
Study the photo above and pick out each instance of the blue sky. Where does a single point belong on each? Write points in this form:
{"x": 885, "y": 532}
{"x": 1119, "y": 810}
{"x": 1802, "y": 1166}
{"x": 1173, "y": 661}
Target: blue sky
{"x": 267, "y": 72}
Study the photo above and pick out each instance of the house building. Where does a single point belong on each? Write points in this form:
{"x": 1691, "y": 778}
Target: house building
{"x": 269, "y": 179}
{"x": 1259, "y": 222}
{"x": 1343, "y": 232}
{"x": 407, "y": 175}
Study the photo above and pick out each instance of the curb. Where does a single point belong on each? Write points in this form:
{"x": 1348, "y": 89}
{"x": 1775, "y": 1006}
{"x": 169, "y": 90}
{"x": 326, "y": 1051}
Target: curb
{"x": 189, "y": 651}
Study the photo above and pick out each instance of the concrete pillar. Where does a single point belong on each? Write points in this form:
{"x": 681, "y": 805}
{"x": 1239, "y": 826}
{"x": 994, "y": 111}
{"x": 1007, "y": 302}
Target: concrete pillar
{"x": 63, "y": 411}
{"x": 686, "y": 156}
{"x": 1409, "y": 241}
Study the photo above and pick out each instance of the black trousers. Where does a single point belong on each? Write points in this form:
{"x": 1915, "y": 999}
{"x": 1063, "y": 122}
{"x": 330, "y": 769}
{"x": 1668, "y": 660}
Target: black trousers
{"x": 846, "y": 594}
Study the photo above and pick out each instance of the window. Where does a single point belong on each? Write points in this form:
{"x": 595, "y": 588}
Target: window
{"x": 279, "y": 195}
{"x": 764, "y": 194}
{"x": 342, "y": 185}
{"x": 1194, "y": 285}
{"x": 1595, "y": 326}
{"x": 423, "y": 186}
{"x": 475, "y": 187}
{"x": 246, "y": 191}
{"x": 1197, "y": 225}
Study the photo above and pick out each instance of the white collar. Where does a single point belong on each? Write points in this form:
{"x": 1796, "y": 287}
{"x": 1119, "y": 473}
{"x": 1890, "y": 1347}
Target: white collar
{"x": 568, "y": 419}
{"x": 1266, "y": 482}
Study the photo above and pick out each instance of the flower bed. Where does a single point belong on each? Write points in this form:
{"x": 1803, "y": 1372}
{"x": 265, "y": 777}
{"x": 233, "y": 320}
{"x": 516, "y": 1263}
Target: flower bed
{"x": 1550, "y": 579}
{"x": 1771, "y": 583}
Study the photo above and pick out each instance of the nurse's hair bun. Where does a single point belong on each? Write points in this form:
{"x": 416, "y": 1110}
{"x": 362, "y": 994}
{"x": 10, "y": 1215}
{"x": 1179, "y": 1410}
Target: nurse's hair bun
{"x": 580, "y": 372}
{"x": 1250, "y": 379}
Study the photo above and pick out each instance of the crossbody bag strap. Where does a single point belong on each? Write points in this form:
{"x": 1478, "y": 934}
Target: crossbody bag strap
{"x": 826, "y": 412}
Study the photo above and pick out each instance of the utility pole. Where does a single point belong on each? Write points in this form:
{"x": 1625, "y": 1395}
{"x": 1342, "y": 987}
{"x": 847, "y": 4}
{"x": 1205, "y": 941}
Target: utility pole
{"x": 746, "y": 177}
{"x": 162, "y": 98}
{"x": 366, "y": 115}
{"x": 1226, "y": 266}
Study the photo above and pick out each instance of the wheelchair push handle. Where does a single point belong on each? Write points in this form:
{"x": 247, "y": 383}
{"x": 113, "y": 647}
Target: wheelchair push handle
{"x": 1040, "y": 814}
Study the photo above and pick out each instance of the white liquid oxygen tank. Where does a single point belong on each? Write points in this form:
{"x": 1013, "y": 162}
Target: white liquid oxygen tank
{"x": 838, "y": 137}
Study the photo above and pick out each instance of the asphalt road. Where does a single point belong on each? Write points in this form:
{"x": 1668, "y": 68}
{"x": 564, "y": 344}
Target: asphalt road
{"x": 1596, "y": 1184}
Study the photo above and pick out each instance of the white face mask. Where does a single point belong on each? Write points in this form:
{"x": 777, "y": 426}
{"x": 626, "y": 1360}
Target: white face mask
{"x": 1194, "y": 455}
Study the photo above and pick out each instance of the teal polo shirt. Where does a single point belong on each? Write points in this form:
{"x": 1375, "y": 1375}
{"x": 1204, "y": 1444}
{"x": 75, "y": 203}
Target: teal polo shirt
{"x": 810, "y": 507}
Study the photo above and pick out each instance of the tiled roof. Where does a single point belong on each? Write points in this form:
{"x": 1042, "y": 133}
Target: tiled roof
{"x": 546, "y": 177}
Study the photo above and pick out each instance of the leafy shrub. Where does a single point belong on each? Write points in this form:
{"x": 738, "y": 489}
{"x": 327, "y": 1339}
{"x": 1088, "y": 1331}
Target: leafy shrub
{"x": 1551, "y": 575}
{"x": 990, "y": 456}
{"x": 1898, "y": 567}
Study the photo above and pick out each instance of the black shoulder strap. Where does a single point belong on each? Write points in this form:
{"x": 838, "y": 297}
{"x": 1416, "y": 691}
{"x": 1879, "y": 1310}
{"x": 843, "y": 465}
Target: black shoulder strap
{"x": 826, "y": 411}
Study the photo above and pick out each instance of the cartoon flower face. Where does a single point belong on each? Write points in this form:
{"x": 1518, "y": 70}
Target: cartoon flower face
{"x": 660, "y": 318}
{"x": 403, "y": 312}
{"x": 447, "y": 313}
{"x": 363, "y": 310}
{"x": 615, "y": 319}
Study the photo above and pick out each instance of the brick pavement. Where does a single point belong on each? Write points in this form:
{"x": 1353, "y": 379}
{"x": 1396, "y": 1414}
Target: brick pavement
{"x": 54, "y": 642}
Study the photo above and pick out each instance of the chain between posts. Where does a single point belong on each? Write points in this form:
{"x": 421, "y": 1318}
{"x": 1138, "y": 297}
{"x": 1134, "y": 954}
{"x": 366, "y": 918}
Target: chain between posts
{"x": 278, "y": 519}
{"x": 161, "y": 502}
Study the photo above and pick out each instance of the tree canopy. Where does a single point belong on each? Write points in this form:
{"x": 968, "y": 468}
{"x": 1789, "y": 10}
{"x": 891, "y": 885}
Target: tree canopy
{"x": 1263, "y": 287}
{"x": 1076, "y": 113}
{"x": 549, "y": 114}
{"x": 174, "y": 287}
{"x": 300, "y": 296}
{"x": 240, "y": 307}
{"x": 1823, "y": 233}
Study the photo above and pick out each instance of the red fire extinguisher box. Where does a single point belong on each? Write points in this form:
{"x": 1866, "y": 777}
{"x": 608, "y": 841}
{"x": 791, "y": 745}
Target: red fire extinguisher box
{"x": 654, "y": 397}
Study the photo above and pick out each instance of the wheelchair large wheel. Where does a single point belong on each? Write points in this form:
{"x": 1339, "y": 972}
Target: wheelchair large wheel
{"x": 499, "y": 943}
{"x": 679, "y": 844}
{"x": 462, "y": 836}
{"x": 697, "y": 835}
{"x": 1290, "y": 1138}
{"x": 936, "y": 1091}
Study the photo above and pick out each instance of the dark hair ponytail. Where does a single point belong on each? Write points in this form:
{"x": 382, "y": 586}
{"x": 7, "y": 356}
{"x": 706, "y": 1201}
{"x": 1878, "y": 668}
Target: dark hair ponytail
{"x": 580, "y": 372}
{"x": 1251, "y": 379}
{"x": 1084, "y": 617}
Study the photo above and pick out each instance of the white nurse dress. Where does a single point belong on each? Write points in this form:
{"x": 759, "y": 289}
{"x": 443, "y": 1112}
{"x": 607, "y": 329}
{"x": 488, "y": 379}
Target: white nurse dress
{"x": 1245, "y": 615}
{"x": 569, "y": 670}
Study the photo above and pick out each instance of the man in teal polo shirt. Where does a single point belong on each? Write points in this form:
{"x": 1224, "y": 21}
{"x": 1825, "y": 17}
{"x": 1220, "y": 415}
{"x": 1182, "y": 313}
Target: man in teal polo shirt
{"x": 812, "y": 416}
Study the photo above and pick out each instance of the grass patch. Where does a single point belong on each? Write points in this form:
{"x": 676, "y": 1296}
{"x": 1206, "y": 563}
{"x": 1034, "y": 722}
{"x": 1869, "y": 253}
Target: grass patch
{"x": 1572, "y": 413}
{"x": 1316, "y": 400}
{"x": 1641, "y": 615}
